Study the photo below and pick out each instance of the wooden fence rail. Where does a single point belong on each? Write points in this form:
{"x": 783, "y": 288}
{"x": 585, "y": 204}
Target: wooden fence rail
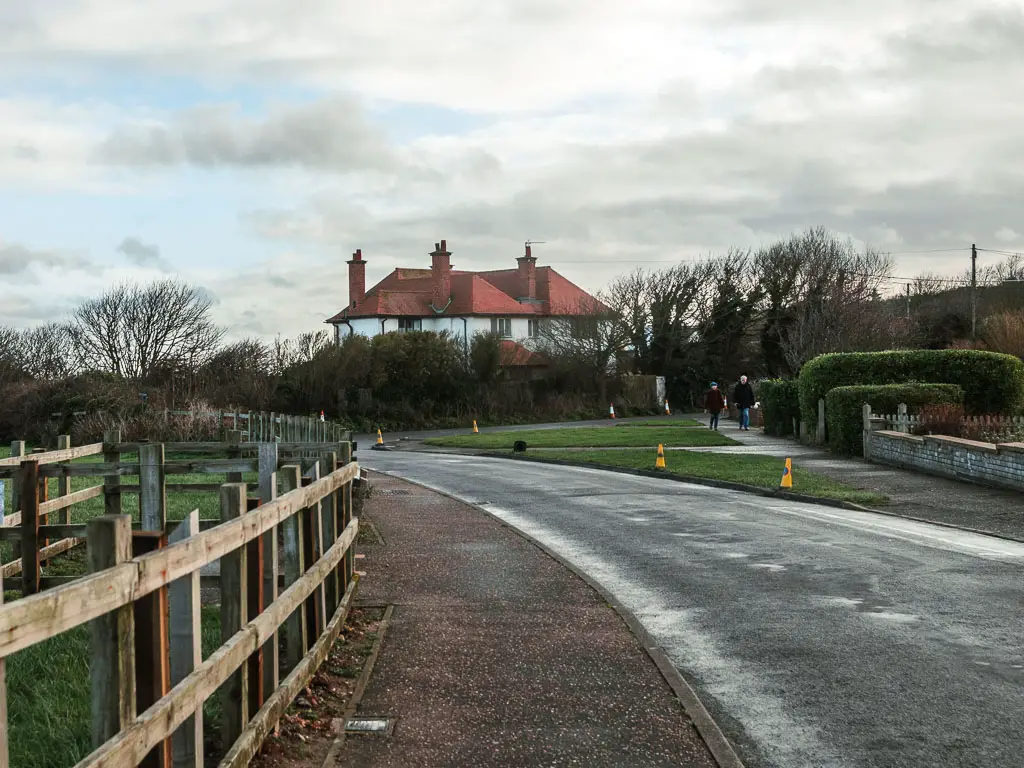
{"x": 139, "y": 578}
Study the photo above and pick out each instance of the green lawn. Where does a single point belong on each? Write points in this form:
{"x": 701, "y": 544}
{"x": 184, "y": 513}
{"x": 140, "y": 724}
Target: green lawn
{"x": 669, "y": 421}
{"x": 763, "y": 471}
{"x": 617, "y": 436}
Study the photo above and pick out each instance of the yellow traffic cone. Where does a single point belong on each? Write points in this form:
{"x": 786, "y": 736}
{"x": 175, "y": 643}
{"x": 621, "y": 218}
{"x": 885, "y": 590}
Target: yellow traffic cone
{"x": 787, "y": 475}
{"x": 611, "y": 410}
{"x": 660, "y": 463}
{"x": 475, "y": 430}
{"x": 668, "y": 411}
{"x": 380, "y": 438}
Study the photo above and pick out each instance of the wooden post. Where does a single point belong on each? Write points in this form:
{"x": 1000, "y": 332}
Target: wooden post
{"x": 152, "y": 487}
{"x": 316, "y": 603}
{"x": 234, "y": 602}
{"x": 112, "y": 662}
{"x": 346, "y": 517}
{"x": 152, "y": 658}
{"x": 234, "y": 451}
{"x": 294, "y": 567}
{"x": 248, "y": 428}
{"x": 44, "y": 496}
{"x": 329, "y": 528}
{"x": 64, "y": 482}
{"x": 186, "y": 651}
{"x": 17, "y": 449}
{"x": 272, "y": 434}
{"x": 111, "y": 483}
{"x": 268, "y": 492}
{"x": 5, "y": 754}
{"x": 902, "y": 419}
{"x": 254, "y": 592}
{"x": 820, "y": 433}
{"x": 28, "y": 480}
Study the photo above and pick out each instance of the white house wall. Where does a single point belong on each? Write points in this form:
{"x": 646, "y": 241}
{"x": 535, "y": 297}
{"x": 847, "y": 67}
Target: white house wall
{"x": 371, "y": 326}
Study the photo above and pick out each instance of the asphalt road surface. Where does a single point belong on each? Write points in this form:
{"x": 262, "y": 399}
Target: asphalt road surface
{"x": 815, "y": 636}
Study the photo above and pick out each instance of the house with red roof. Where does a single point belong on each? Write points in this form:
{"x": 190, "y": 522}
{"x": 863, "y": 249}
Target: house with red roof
{"x": 513, "y": 303}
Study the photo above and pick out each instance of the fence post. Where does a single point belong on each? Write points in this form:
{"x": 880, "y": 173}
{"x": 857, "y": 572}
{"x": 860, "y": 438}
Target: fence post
{"x": 294, "y": 567}
{"x": 5, "y": 758}
{"x": 17, "y": 449}
{"x": 329, "y": 526}
{"x": 346, "y": 517}
{"x": 186, "y": 652}
{"x": 268, "y": 492}
{"x": 819, "y": 436}
{"x": 233, "y": 610}
{"x": 901, "y": 418}
{"x": 234, "y": 440}
{"x": 28, "y": 480}
{"x": 64, "y": 482}
{"x": 112, "y": 663}
{"x": 316, "y": 603}
{"x": 152, "y": 656}
{"x": 272, "y": 428}
{"x": 866, "y": 426}
{"x": 111, "y": 483}
{"x": 152, "y": 487}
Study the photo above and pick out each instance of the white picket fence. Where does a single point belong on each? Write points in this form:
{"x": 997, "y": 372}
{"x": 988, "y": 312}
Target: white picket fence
{"x": 906, "y": 422}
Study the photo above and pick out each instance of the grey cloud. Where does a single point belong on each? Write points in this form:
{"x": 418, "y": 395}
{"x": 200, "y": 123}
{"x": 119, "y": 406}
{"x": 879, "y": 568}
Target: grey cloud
{"x": 330, "y": 135}
{"x": 26, "y": 152}
{"x": 142, "y": 254}
{"x": 17, "y": 260}
{"x": 992, "y": 35}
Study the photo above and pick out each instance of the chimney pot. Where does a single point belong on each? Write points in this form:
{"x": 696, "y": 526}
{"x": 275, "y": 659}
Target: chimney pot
{"x": 440, "y": 275}
{"x": 356, "y": 278}
{"x": 444, "y": 246}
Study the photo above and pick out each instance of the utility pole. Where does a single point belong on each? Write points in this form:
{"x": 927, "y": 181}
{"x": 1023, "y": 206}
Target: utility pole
{"x": 974, "y": 292}
{"x": 908, "y": 301}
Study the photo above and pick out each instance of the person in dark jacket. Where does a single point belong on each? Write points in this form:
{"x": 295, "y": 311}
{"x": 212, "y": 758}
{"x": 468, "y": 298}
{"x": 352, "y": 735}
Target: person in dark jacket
{"x": 714, "y": 402}
{"x": 743, "y": 396}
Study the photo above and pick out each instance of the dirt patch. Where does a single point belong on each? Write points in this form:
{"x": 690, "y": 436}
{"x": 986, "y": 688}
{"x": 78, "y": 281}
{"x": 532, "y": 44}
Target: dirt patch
{"x": 313, "y": 721}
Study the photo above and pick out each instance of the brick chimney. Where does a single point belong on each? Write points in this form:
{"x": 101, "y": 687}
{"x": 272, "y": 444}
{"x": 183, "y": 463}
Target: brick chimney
{"x": 441, "y": 274}
{"x": 527, "y": 275}
{"x": 356, "y": 278}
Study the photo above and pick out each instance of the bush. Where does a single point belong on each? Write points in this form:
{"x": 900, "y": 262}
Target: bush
{"x": 991, "y": 382}
{"x": 844, "y": 407}
{"x": 780, "y": 404}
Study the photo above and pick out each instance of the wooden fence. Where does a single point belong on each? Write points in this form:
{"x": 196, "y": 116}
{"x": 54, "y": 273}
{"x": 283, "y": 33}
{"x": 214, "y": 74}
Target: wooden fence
{"x": 141, "y": 597}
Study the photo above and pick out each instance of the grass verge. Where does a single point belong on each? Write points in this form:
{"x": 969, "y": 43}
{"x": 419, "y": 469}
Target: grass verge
{"x": 617, "y": 436}
{"x": 760, "y": 471}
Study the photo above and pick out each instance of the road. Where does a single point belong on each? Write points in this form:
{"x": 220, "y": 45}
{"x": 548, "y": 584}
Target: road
{"x": 815, "y": 636}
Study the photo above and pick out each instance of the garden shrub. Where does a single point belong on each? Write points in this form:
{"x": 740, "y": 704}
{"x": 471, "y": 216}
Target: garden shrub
{"x": 780, "y": 404}
{"x": 844, "y": 406}
{"x": 991, "y": 382}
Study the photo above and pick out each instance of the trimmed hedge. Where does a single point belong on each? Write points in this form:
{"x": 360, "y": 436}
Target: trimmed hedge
{"x": 780, "y": 404}
{"x": 991, "y": 382}
{"x": 844, "y": 408}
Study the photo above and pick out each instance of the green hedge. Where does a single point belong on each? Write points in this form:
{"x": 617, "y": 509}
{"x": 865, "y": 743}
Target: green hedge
{"x": 780, "y": 404}
{"x": 844, "y": 407}
{"x": 992, "y": 383}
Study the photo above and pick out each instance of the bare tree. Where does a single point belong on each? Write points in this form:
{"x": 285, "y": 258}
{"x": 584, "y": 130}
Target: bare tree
{"x": 302, "y": 349}
{"x": 135, "y": 332}
{"x": 586, "y": 337}
{"x": 48, "y": 351}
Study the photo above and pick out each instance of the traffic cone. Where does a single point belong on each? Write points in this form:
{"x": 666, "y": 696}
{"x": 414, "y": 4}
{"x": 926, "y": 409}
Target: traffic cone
{"x": 321, "y": 415}
{"x": 475, "y": 430}
{"x": 380, "y": 438}
{"x": 611, "y": 410}
{"x": 660, "y": 463}
{"x": 668, "y": 411}
{"x": 787, "y": 475}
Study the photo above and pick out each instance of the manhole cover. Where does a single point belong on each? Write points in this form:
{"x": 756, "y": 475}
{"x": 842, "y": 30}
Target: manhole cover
{"x": 376, "y": 725}
{"x": 394, "y": 492}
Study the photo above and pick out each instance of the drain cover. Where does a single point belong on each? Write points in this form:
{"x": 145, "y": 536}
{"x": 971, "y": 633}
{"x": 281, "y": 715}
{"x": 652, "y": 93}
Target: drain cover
{"x": 369, "y": 725}
{"x": 394, "y": 492}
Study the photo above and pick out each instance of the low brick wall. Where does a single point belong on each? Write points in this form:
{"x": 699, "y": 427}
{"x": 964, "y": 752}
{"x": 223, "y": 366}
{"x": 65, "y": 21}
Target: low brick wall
{"x": 984, "y": 463}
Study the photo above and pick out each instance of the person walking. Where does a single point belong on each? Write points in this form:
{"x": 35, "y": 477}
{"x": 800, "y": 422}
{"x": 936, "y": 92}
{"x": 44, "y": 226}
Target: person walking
{"x": 743, "y": 396}
{"x": 714, "y": 402}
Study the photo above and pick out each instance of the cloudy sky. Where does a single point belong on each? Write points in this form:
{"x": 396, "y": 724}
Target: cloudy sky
{"x": 249, "y": 146}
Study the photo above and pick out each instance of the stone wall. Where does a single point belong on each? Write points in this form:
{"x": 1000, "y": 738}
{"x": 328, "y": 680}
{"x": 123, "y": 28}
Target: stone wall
{"x": 984, "y": 463}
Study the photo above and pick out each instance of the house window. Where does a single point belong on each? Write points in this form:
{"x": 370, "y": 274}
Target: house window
{"x": 502, "y": 326}
{"x": 534, "y": 326}
{"x": 410, "y": 324}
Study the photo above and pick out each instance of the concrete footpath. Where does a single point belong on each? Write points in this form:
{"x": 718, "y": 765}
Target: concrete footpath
{"x": 911, "y": 494}
{"x": 497, "y": 655}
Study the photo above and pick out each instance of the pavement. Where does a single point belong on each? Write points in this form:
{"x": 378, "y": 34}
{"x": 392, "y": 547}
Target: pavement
{"x": 497, "y": 655}
{"x": 815, "y": 636}
{"x": 911, "y": 494}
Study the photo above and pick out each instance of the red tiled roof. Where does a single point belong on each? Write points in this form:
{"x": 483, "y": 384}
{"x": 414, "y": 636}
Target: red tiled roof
{"x": 408, "y": 293}
{"x": 515, "y": 355}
